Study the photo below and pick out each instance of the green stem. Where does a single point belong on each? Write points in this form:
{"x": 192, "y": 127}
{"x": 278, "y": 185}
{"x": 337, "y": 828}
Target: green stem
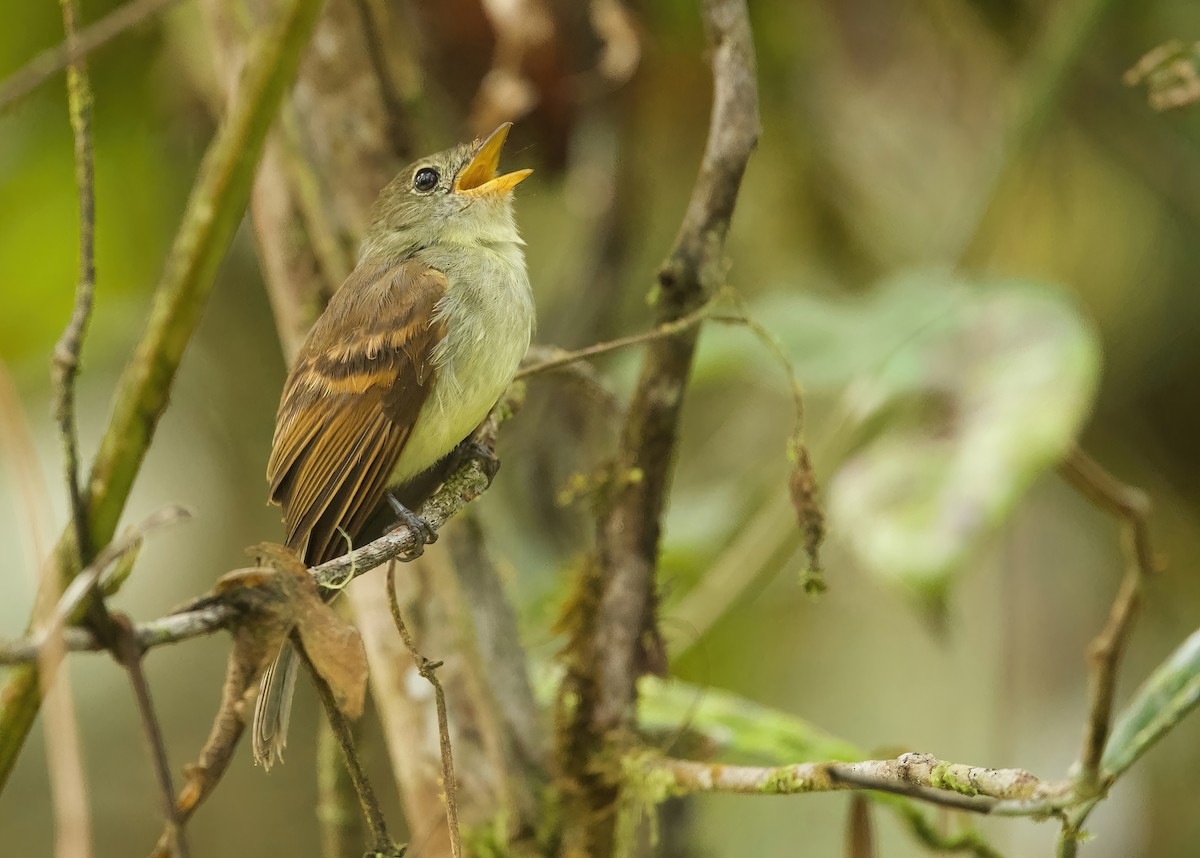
{"x": 1069, "y": 30}
{"x": 215, "y": 208}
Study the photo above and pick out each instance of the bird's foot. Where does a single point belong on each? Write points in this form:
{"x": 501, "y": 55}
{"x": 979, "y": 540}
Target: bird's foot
{"x": 422, "y": 530}
{"x": 487, "y": 459}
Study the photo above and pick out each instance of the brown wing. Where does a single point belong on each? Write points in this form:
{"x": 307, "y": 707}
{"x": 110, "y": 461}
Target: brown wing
{"x": 350, "y": 403}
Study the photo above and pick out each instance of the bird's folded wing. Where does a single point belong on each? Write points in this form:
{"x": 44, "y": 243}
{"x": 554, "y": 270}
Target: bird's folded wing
{"x": 351, "y": 402}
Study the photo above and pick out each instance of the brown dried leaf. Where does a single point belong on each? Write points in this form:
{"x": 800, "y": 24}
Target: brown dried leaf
{"x": 333, "y": 645}
{"x": 336, "y": 650}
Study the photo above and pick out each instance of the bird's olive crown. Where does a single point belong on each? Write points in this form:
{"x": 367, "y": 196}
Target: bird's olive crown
{"x": 413, "y": 210}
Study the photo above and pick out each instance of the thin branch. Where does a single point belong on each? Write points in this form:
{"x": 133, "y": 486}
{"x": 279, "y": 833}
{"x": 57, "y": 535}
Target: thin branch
{"x": 382, "y": 843}
{"x": 214, "y": 210}
{"x": 53, "y": 60}
{"x": 1008, "y": 792}
{"x": 561, "y": 358}
{"x": 129, "y": 654}
{"x": 65, "y": 366}
{"x": 1132, "y": 507}
{"x": 428, "y": 669}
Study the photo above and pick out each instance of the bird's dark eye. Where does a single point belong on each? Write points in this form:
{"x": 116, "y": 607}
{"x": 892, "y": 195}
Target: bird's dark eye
{"x": 426, "y": 179}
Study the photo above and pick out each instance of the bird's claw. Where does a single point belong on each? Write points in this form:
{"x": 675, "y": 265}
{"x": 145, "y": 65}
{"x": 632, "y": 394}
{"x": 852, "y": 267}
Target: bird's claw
{"x": 422, "y": 531}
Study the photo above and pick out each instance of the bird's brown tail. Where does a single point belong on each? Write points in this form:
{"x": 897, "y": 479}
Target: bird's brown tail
{"x": 273, "y": 709}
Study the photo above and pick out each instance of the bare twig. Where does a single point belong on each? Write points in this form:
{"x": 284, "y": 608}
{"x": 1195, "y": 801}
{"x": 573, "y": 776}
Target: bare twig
{"x": 65, "y": 366}
{"x": 129, "y": 654}
{"x": 559, "y": 358}
{"x": 614, "y": 635}
{"x": 590, "y": 382}
{"x": 428, "y": 669}
{"x": 167, "y": 630}
{"x": 1132, "y": 507}
{"x": 725, "y": 722}
{"x": 49, "y": 62}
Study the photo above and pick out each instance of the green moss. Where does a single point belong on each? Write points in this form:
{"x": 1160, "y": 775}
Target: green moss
{"x": 941, "y": 778}
{"x": 783, "y": 781}
{"x": 489, "y": 840}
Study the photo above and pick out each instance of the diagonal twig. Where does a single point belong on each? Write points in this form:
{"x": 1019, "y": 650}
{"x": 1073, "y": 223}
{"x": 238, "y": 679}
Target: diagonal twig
{"x": 428, "y": 670}
{"x": 129, "y": 652}
{"x": 1132, "y": 507}
{"x": 49, "y": 62}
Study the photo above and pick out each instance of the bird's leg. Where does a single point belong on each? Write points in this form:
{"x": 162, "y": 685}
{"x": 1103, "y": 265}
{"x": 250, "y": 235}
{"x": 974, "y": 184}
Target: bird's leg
{"x": 488, "y": 461}
{"x": 421, "y": 530}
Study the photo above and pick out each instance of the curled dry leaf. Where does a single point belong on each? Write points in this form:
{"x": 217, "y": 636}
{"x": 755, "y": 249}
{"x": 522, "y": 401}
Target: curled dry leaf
{"x": 332, "y": 644}
{"x": 336, "y": 650}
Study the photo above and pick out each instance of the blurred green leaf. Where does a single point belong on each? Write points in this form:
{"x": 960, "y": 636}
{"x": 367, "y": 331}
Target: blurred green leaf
{"x": 735, "y": 724}
{"x": 984, "y": 393}
{"x": 831, "y": 339}
{"x": 1171, "y": 692}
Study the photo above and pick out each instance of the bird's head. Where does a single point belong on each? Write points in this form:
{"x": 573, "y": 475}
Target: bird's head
{"x": 451, "y": 198}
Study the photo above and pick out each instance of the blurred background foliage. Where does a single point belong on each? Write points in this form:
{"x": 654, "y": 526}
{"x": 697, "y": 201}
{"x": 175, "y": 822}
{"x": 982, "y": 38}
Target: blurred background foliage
{"x": 965, "y": 578}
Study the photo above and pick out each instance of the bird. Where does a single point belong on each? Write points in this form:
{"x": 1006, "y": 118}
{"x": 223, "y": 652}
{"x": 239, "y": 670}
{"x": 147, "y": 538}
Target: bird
{"x": 410, "y": 355}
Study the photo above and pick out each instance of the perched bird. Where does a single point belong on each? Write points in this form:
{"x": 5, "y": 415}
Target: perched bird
{"x": 406, "y": 361}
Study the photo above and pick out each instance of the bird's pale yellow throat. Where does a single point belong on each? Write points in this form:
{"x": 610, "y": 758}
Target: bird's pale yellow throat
{"x": 408, "y": 358}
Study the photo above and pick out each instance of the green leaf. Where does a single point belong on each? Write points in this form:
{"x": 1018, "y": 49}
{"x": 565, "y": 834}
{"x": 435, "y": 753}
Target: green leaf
{"x": 735, "y": 724}
{"x": 1171, "y": 692}
{"x": 980, "y": 397}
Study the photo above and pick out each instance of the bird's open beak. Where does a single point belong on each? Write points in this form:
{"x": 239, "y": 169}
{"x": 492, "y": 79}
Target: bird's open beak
{"x": 479, "y": 177}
